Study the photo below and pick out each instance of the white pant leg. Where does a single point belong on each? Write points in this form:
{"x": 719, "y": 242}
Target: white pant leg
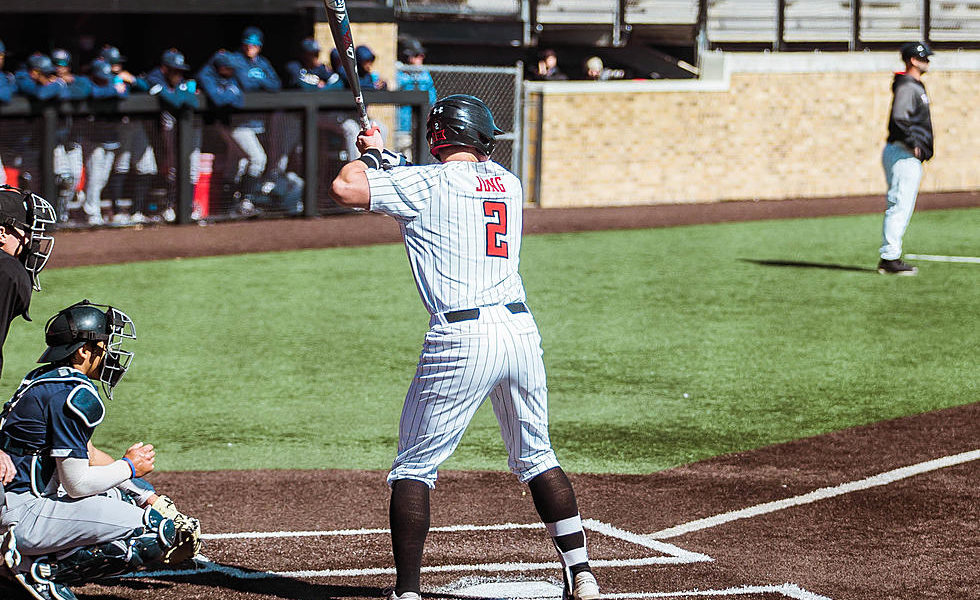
{"x": 140, "y": 148}
{"x": 249, "y": 142}
{"x": 458, "y": 366}
{"x": 903, "y": 172}
{"x": 99, "y": 167}
{"x": 54, "y": 524}
{"x": 520, "y": 401}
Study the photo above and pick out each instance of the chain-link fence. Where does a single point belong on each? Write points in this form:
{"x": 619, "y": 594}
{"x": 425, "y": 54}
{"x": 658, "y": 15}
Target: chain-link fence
{"x": 132, "y": 162}
{"x": 20, "y": 156}
{"x": 501, "y": 89}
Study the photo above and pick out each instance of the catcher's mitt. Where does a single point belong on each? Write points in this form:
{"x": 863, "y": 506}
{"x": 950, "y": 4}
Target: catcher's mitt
{"x": 187, "y": 542}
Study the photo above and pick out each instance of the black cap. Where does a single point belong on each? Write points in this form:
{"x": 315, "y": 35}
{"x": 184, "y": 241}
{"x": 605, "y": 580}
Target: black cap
{"x": 916, "y": 50}
{"x": 411, "y": 48}
{"x": 13, "y": 210}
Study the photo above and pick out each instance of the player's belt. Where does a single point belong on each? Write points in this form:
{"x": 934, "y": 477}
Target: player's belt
{"x": 455, "y": 316}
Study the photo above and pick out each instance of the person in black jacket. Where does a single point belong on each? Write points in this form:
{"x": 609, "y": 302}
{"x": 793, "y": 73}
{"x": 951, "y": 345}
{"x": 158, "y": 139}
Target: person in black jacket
{"x": 909, "y": 145}
{"x": 26, "y": 223}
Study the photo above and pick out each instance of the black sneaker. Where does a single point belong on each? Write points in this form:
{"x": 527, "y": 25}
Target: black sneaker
{"x": 895, "y": 267}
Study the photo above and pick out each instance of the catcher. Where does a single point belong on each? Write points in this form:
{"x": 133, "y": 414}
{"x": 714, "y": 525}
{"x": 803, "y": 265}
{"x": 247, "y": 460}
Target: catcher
{"x": 73, "y": 513}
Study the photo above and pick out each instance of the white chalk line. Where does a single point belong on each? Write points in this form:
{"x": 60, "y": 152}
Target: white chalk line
{"x": 939, "y": 258}
{"x": 788, "y": 590}
{"x": 819, "y": 494}
{"x": 357, "y": 532}
{"x": 672, "y": 554}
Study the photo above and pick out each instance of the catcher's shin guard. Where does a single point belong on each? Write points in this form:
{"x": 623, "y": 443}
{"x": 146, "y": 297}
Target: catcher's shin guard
{"x": 145, "y": 545}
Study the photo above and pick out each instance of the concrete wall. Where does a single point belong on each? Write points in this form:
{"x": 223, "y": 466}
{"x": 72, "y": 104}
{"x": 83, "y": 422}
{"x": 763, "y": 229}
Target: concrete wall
{"x": 756, "y": 126}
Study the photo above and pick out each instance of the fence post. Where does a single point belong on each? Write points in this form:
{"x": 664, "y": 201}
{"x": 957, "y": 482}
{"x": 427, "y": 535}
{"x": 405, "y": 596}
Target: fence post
{"x": 926, "y": 27}
{"x": 855, "y": 41}
{"x": 517, "y": 151}
{"x": 311, "y": 158}
{"x": 421, "y": 150}
{"x": 778, "y": 44}
{"x": 185, "y": 146}
{"x": 49, "y": 117}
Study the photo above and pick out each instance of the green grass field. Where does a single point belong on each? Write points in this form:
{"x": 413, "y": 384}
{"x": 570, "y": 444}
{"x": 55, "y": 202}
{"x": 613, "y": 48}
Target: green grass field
{"x": 663, "y": 346}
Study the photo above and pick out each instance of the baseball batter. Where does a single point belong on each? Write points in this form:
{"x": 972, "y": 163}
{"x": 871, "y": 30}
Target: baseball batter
{"x": 461, "y": 221}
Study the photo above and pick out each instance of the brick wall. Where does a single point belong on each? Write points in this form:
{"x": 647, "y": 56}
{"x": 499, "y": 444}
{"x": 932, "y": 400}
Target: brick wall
{"x": 770, "y": 127}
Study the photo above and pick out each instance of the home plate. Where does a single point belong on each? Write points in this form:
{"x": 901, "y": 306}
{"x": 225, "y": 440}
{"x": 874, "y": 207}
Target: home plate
{"x": 510, "y": 589}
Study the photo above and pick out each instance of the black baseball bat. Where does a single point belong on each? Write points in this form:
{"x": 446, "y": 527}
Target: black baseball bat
{"x": 344, "y": 41}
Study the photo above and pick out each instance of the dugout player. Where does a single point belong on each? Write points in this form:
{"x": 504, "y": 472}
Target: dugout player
{"x": 309, "y": 73}
{"x": 909, "y": 145}
{"x": 103, "y": 521}
{"x": 461, "y": 222}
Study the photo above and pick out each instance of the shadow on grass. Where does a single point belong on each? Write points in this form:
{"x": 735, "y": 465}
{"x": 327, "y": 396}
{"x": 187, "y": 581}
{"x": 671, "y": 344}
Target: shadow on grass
{"x": 808, "y": 265}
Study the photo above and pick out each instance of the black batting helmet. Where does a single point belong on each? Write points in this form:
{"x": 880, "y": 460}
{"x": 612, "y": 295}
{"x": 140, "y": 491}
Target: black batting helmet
{"x": 461, "y": 120}
{"x": 85, "y": 322}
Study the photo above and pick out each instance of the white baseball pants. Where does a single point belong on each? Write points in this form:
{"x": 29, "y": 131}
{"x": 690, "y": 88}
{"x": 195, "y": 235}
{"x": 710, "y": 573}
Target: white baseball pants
{"x": 903, "y": 172}
{"x": 497, "y": 355}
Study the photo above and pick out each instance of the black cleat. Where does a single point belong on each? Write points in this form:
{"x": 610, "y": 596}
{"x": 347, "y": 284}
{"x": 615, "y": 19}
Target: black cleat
{"x": 895, "y": 267}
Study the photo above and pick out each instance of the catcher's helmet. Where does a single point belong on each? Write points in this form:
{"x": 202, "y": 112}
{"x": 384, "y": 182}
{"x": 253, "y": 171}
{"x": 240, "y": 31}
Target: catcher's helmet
{"x": 34, "y": 216}
{"x": 85, "y": 322}
{"x": 461, "y": 120}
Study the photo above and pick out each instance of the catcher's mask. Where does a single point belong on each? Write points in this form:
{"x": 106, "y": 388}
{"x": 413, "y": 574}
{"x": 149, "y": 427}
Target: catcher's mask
{"x": 85, "y": 322}
{"x": 36, "y": 218}
{"x": 461, "y": 120}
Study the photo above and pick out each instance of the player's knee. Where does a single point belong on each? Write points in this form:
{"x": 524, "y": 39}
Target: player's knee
{"x": 396, "y": 475}
{"x": 528, "y": 467}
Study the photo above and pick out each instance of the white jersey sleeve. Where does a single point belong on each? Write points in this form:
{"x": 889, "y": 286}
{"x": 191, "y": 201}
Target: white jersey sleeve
{"x": 403, "y": 192}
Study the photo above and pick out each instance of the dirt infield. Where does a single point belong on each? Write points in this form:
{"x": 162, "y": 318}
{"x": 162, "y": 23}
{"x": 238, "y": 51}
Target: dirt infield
{"x": 904, "y": 535}
{"x": 890, "y": 510}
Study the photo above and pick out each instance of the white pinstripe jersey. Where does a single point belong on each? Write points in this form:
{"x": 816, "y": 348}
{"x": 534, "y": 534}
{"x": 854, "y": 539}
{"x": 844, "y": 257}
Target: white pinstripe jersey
{"x": 461, "y": 222}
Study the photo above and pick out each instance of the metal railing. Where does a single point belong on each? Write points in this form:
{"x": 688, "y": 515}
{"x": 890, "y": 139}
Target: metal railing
{"x": 306, "y": 130}
{"x": 776, "y": 22}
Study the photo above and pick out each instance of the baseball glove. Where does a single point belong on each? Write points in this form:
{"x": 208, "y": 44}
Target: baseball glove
{"x": 187, "y": 542}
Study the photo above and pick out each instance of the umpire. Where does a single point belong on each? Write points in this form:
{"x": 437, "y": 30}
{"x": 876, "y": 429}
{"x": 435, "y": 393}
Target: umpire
{"x": 25, "y": 220}
{"x": 909, "y": 145}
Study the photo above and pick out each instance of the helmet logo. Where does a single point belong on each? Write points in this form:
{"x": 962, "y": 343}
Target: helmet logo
{"x": 439, "y": 135}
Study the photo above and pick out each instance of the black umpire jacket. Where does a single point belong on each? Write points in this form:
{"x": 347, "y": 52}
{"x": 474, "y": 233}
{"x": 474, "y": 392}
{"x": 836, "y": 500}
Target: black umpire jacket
{"x": 15, "y": 295}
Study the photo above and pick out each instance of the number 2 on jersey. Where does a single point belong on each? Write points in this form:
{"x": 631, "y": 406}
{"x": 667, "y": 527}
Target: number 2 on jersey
{"x": 496, "y": 230}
